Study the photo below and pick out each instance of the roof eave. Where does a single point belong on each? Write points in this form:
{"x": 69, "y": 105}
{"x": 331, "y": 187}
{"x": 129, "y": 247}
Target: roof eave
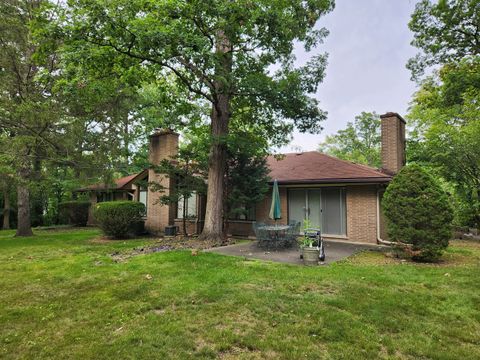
{"x": 335, "y": 180}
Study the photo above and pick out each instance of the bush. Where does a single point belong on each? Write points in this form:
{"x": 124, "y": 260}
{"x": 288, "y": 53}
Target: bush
{"x": 74, "y": 212}
{"x": 418, "y": 213}
{"x": 119, "y": 219}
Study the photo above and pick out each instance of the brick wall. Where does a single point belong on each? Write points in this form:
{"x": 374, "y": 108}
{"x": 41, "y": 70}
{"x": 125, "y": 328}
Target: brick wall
{"x": 393, "y": 142}
{"x": 163, "y": 145}
{"x": 192, "y": 226}
{"x": 362, "y": 213}
{"x": 241, "y": 228}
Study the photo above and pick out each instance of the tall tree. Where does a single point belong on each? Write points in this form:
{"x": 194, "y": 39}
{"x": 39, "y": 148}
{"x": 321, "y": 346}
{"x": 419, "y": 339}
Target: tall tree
{"x": 25, "y": 99}
{"x": 445, "y": 109}
{"x": 222, "y": 52}
{"x": 446, "y": 134}
{"x": 358, "y": 142}
{"x": 52, "y": 114}
{"x": 446, "y": 31}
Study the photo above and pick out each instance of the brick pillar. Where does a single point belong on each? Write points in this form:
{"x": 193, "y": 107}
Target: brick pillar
{"x": 163, "y": 145}
{"x": 393, "y": 142}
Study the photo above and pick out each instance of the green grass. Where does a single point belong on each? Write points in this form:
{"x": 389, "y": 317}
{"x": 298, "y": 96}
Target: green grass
{"x": 63, "y": 297}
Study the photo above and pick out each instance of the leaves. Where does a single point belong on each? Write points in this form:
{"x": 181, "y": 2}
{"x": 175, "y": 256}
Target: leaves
{"x": 446, "y": 31}
{"x": 358, "y": 142}
{"x": 446, "y": 132}
{"x": 418, "y": 213}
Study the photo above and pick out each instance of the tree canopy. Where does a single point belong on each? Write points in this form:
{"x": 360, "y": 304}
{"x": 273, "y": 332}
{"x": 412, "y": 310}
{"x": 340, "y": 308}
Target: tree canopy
{"x": 358, "y": 142}
{"x": 237, "y": 57}
{"x": 446, "y": 132}
{"x": 445, "y": 31}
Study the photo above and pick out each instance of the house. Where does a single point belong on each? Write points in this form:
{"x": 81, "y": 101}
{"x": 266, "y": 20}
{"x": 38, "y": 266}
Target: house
{"x": 340, "y": 197}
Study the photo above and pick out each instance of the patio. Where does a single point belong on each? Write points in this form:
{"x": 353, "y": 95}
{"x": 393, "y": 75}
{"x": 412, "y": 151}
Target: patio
{"x": 335, "y": 250}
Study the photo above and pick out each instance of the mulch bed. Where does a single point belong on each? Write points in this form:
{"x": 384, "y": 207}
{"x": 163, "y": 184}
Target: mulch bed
{"x": 168, "y": 244}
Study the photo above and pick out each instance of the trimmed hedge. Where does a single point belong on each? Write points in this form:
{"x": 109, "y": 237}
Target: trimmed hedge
{"x": 74, "y": 212}
{"x": 120, "y": 219}
{"x": 419, "y": 216}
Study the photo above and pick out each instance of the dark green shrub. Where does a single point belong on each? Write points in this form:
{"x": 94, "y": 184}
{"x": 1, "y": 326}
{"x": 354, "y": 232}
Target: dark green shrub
{"x": 74, "y": 212}
{"x": 119, "y": 219}
{"x": 418, "y": 213}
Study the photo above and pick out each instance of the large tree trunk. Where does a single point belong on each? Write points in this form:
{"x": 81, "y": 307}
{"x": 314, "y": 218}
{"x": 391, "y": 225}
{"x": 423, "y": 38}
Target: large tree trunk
{"x": 24, "y": 227}
{"x": 6, "y": 209}
{"x": 212, "y": 229}
{"x": 213, "y": 226}
{"x": 24, "y": 223}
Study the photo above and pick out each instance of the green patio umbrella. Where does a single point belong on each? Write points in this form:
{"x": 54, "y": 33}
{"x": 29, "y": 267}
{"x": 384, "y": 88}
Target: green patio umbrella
{"x": 275, "y": 210}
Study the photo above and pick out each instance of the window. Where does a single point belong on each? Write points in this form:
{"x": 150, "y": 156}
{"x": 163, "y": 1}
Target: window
{"x": 191, "y": 207}
{"x": 243, "y": 212}
{"x": 105, "y": 196}
{"x": 142, "y": 196}
{"x": 333, "y": 211}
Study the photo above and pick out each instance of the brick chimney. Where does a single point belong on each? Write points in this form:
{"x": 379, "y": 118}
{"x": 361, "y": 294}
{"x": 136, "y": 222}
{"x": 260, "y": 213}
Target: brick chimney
{"x": 393, "y": 142}
{"x": 163, "y": 144}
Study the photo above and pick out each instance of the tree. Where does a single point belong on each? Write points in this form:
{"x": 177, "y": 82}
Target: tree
{"x": 246, "y": 179}
{"x": 418, "y": 213}
{"x": 222, "y": 53}
{"x": 446, "y": 134}
{"x": 446, "y": 31}
{"x": 25, "y": 100}
{"x": 359, "y": 142}
{"x": 445, "y": 111}
{"x": 6, "y": 185}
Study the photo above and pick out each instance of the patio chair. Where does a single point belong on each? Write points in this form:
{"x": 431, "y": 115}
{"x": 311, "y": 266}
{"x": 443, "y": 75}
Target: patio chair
{"x": 292, "y": 233}
{"x": 261, "y": 234}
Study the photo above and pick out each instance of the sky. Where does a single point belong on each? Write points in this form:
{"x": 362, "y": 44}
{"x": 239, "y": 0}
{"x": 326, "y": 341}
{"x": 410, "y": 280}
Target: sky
{"x": 368, "y": 47}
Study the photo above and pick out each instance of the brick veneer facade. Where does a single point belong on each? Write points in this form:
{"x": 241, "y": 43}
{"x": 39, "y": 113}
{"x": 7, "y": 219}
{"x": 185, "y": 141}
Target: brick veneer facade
{"x": 362, "y": 213}
{"x": 361, "y": 204}
{"x": 163, "y": 145}
{"x": 393, "y": 142}
{"x": 361, "y": 200}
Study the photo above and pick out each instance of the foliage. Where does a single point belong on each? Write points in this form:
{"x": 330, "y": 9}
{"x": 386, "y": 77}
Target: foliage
{"x": 446, "y": 31}
{"x": 446, "y": 132}
{"x": 246, "y": 180}
{"x": 418, "y": 213}
{"x": 74, "y": 212}
{"x": 61, "y": 123}
{"x": 119, "y": 219}
{"x": 221, "y": 54}
{"x": 358, "y": 142}
{"x": 306, "y": 241}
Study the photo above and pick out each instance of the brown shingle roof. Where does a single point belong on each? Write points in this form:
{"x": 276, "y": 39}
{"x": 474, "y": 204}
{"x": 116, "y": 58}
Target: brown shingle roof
{"x": 315, "y": 167}
{"x": 119, "y": 184}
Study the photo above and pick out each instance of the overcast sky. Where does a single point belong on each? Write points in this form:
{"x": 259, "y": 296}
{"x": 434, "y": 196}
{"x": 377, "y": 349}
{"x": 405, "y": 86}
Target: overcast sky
{"x": 368, "y": 46}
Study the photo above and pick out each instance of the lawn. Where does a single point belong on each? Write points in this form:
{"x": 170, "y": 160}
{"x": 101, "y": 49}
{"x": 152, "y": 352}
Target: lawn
{"x": 62, "y": 296}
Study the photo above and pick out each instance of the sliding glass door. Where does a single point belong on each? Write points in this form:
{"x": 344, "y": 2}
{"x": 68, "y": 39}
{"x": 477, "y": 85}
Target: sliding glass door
{"x": 325, "y": 208}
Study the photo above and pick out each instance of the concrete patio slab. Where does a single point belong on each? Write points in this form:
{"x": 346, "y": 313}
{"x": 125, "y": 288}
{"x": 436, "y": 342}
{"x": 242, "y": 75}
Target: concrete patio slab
{"x": 334, "y": 250}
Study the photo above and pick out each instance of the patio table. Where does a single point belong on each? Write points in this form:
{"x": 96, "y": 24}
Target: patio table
{"x": 276, "y": 236}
